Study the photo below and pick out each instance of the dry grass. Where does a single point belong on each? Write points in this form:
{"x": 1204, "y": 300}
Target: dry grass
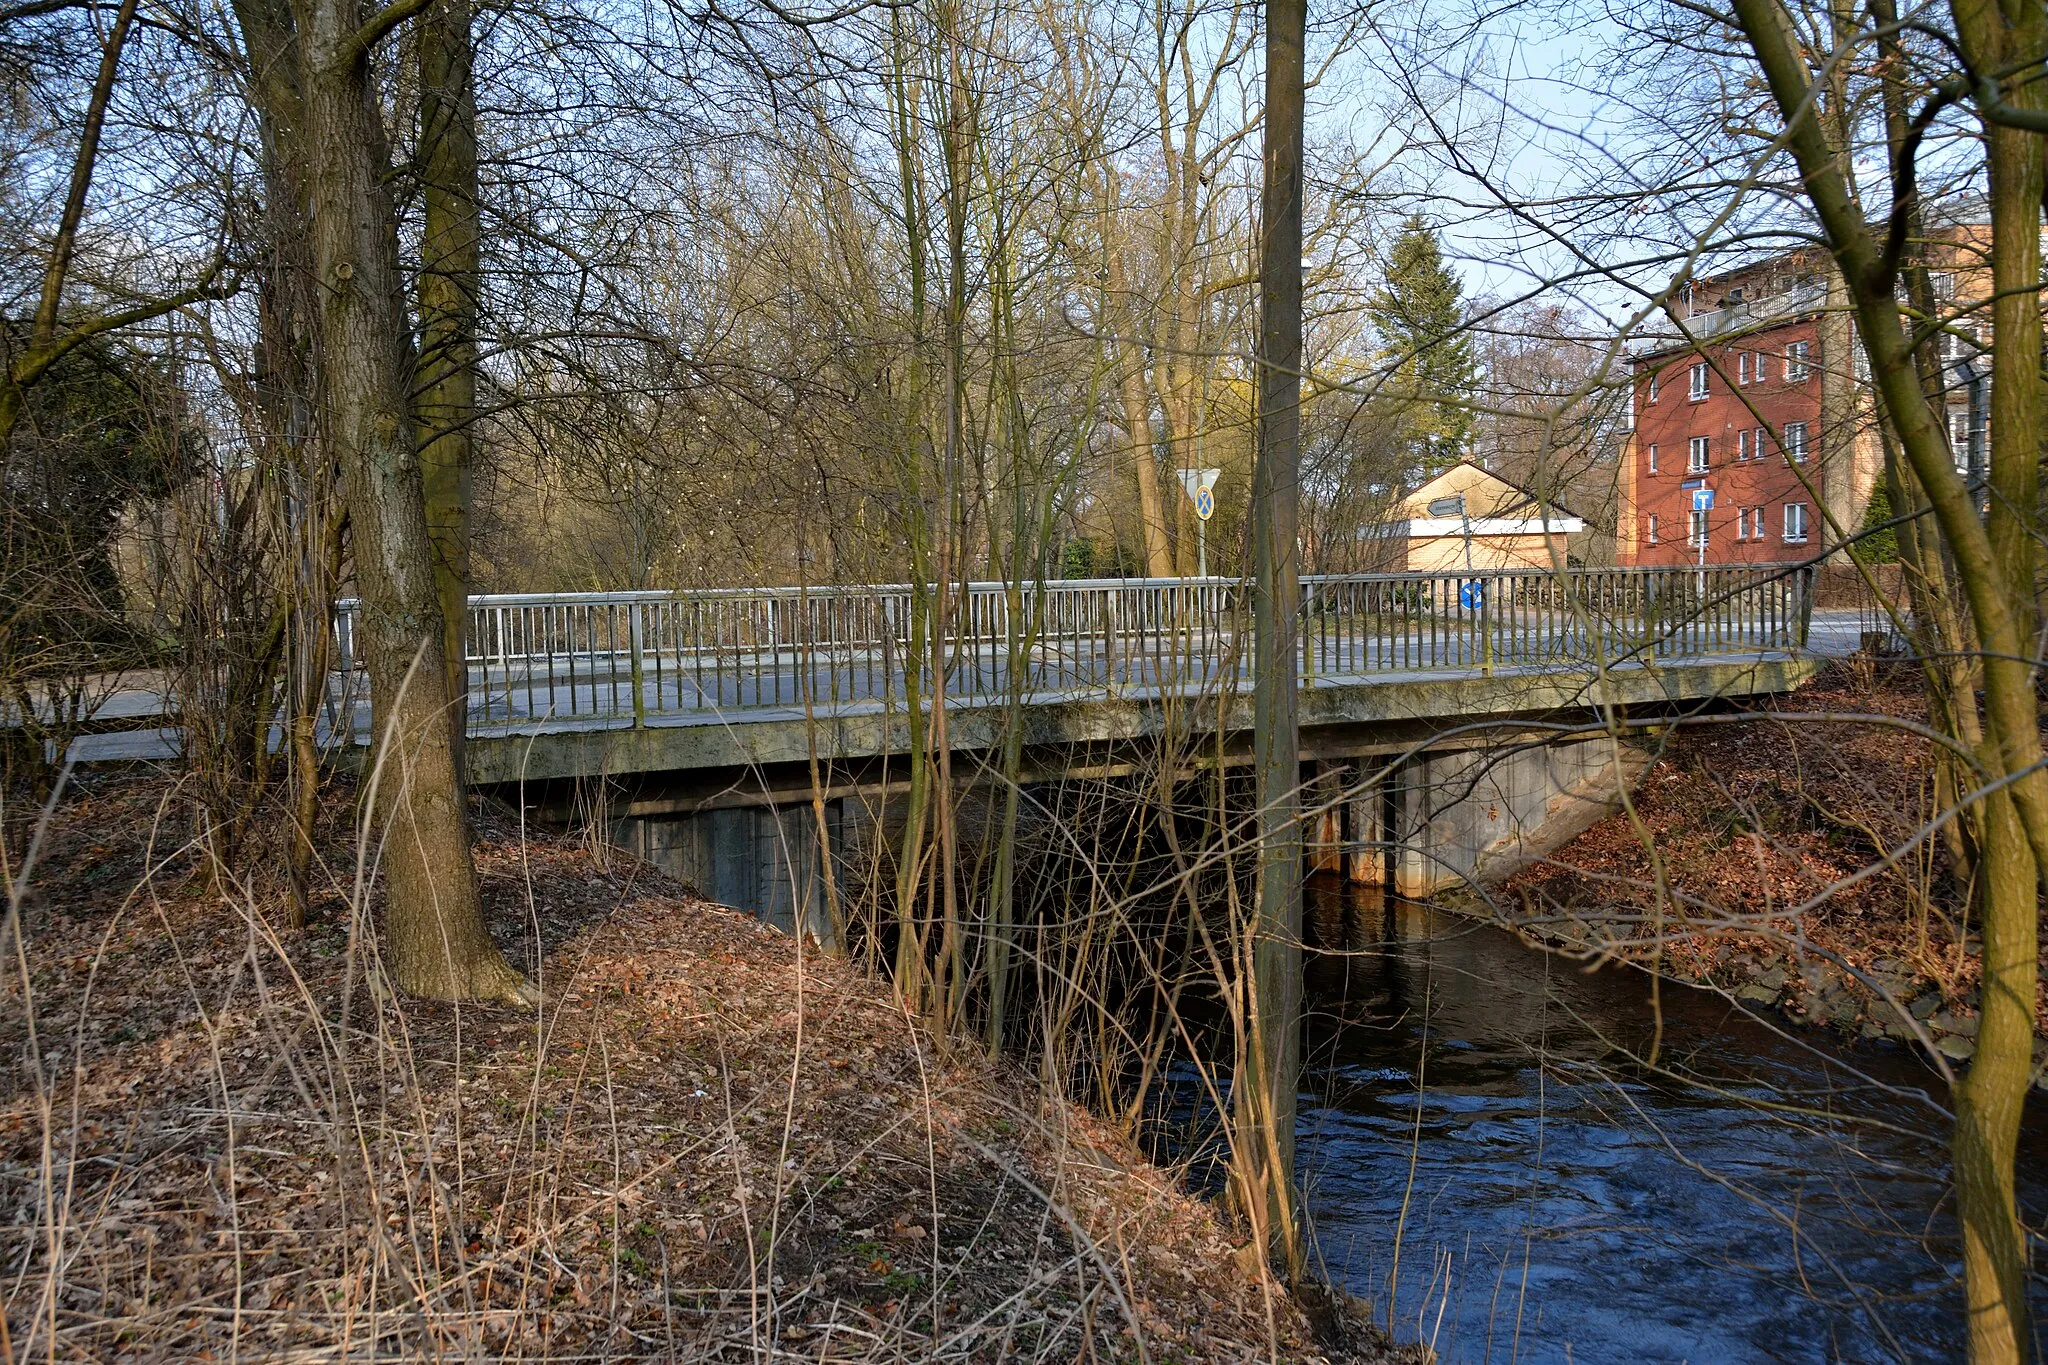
{"x": 222, "y": 1140}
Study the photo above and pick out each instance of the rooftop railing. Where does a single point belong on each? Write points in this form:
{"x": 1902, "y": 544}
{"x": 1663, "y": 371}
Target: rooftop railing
{"x": 572, "y": 660}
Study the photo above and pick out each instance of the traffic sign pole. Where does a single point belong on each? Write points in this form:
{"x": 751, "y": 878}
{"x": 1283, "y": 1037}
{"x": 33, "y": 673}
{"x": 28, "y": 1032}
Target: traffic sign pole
{"x": 1703, "y": 503}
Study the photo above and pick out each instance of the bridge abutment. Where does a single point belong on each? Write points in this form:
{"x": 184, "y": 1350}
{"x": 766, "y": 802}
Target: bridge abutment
{"x": 1479, "y": 815}
{"x": 764, "y": 859}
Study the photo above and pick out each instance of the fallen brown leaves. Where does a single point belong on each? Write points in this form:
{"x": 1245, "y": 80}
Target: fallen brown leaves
{"x": 222, "y": 1137}
{"x": 1752, "y": 821}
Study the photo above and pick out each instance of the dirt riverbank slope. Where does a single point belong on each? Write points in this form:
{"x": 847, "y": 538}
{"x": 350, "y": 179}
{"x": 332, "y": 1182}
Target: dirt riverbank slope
{"x": 1740, "y": 868}
{"x": 220, "y": 1138}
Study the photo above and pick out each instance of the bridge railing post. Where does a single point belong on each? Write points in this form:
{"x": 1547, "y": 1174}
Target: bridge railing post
{"x": 1487, "y": 592}
{"x": 636, "y": 642}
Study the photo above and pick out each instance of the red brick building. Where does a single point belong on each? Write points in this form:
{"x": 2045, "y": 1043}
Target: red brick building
{"x": 1762, "y": 405}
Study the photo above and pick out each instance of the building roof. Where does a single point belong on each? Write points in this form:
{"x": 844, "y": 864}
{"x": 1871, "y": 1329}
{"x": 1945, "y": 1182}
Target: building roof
{"x": 1485, "y": 494}
{"x": 1739, "y": 317}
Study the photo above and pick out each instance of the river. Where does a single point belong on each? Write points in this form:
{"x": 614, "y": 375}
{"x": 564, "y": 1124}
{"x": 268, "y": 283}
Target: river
{"x": 1488, "y": 1162}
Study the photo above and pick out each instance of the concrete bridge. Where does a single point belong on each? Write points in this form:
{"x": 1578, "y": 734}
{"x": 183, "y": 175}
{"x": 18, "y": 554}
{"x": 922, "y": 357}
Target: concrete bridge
{"x": 699, "y": 725}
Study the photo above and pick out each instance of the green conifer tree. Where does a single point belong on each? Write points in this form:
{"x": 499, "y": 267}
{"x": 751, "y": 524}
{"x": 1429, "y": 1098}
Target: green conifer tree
{"x": 1419, "y": 314}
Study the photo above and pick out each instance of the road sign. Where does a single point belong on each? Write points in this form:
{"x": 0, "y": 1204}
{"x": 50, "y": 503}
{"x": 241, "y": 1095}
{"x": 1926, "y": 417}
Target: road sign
{"x": 1702, "y": 499}
{"x": 1193, "y": 481}
{"x": 1200, "y": 485}
{"x": 1472, "y": 594}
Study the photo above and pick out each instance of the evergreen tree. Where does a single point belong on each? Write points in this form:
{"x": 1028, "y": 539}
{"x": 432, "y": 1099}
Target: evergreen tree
{"x": 1419, "y": 314}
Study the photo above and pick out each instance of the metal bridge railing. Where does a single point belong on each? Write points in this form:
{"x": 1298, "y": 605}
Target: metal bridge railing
{"x": 648, "y": 657}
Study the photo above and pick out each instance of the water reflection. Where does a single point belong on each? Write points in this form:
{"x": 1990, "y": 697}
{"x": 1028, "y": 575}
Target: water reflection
{"x": 1564, "y": 1202}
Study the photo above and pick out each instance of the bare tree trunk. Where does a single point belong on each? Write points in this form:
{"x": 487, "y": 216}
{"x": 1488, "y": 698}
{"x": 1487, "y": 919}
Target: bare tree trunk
{"x": 956, "y": 141}
{"x": 1267, "y": 1102}
{"x": 1989, "y": 1096}
{"x": 1145, "y": 460}
{"x": 433, "y": 918}
{"x": 911, "y": 968}
{"x": 449, "y": 281}
{"x": 1998, "y": 589}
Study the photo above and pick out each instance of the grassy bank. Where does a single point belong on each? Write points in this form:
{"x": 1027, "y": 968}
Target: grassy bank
{"x": 222, "y": 1137}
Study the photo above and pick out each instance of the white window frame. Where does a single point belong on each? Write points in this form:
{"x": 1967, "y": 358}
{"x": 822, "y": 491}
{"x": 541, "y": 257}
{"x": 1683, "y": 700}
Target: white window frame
{"x": 1650, "y": 394}
{"x": 1959, "y": 438}
{"x": 1650, "y": 530}
{"x": 1742, "y": 444}
{"x": 1698, "y": 455}
{"x": 1795, "y": 512}
{"x": 1697, "y": 384}
{"x": 1653, "y": 457}
{"x": 1756, "y": 442}
{"x": 1798, "y": 361}
{"x": 1741, "y": 524}
{"x": 1696, "y": 526}
{"x": 1795, "y": 442}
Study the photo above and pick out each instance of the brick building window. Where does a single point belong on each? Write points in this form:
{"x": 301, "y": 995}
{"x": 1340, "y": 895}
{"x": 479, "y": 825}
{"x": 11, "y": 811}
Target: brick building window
{"x": 1742, "y": 444}
{"x": 1696, "y": 455}
{"x": 1795, "y": 523}
{"x": 1699, "y": 382}
{"x": 1650, "y": 529}
{"x": 1653, "y": 457}
{"x": 1650, "y": 391}
{"x": 1795, "y": 441}
{"x": 1796, "y": 366}
{"x": 1697, "y": 534}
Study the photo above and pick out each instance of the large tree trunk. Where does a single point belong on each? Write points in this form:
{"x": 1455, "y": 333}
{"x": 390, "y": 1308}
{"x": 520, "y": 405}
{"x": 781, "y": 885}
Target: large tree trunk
{"x": 1994, "y": 572}
{"x": 1145, "y": 460}
{"x": 1266, "y": 1113}
{"x": 433, "y": 921}
{"x": 450, "y": 276}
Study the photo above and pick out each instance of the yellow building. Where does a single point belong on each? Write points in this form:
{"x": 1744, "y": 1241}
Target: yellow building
{"x": 1468, "y": 518}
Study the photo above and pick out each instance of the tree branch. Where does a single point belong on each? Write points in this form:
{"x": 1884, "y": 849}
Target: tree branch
{"x": 66, "y": 241}
{"x": 378, "y": 25}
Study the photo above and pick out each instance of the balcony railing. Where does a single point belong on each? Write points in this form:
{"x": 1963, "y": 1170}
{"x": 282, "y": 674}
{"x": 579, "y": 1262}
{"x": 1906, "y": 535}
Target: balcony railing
{"x": 571, "y": 660}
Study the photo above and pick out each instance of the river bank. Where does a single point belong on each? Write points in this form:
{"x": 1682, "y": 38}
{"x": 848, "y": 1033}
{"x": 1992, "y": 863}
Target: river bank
{"x": 1758, "y": 832}
{"x": 708, "y": 1143}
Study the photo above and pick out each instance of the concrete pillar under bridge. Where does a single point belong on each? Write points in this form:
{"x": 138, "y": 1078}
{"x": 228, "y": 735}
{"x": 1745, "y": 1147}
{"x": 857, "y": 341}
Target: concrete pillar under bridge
{"x": 1481, "y": 815}
{"x": 759, "y": 858}
{"x": 1418, "y": 824}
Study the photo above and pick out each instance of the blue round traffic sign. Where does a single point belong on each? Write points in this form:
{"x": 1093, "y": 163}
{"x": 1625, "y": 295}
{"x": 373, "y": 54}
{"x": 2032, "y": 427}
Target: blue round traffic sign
{"x": 1205, "y": 502}
{"x": 1472, "y": 595}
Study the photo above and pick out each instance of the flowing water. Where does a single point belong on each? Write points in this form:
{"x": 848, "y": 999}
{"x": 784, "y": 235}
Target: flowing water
{"x": 1488, "y": 1161}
